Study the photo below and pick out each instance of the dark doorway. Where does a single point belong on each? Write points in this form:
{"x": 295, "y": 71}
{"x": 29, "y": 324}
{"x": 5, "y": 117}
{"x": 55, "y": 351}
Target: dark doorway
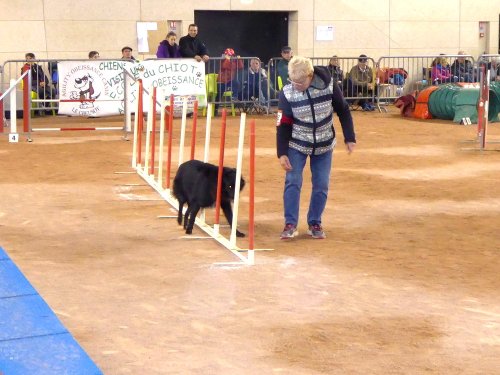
{"x": 260, "y": 34}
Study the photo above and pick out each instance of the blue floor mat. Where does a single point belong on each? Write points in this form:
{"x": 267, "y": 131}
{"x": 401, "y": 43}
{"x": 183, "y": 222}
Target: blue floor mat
{"x": 32, "y": 339}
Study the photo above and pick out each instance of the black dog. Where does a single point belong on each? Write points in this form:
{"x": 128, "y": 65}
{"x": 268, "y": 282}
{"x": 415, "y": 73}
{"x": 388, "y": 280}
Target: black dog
{"x": 196, "y": 184}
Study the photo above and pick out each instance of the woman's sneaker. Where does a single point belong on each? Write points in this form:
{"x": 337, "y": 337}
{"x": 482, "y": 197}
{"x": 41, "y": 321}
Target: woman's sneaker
{"x": 289, "y": 231}
{"x": 315, "y": 231}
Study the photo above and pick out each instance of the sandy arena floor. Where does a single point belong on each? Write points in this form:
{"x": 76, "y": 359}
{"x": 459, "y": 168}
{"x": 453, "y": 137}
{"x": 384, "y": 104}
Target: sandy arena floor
{"x": 407, "y": 282}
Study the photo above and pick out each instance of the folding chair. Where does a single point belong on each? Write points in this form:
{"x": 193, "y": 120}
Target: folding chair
{"x": 211, "y": 85}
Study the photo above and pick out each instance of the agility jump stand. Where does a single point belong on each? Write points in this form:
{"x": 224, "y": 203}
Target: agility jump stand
{"x": 11, "y": 91}
{"x": 145, "y": 166}
{"x": 483, "y": 105}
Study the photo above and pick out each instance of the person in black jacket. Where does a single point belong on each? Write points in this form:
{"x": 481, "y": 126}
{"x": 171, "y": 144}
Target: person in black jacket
{"x": 463, "y": 69}
{"x": 39, "y": 81}
{"x": 191, "y": 46}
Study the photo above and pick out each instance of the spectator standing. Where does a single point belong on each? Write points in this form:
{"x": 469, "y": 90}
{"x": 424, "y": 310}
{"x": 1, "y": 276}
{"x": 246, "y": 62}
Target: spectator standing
{"x": 127, "y": 54}
{"x": 93, "y": 55}
{"x": 191, "y": 46}
{"x": 462, "y": 68}
{"x": 168, "y": 48}
{"x": 360, "y": 82}
{"x": 282, "y": 66}
{"x": 305, "y": 129}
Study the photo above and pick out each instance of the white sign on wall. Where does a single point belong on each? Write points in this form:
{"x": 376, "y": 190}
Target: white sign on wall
{"x": 324, "y": 32}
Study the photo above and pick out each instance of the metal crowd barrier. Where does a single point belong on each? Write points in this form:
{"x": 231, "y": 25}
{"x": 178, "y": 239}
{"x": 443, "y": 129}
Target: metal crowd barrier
{"x": 399, "y": 75}
{"x": 392, "y": 77}
{"x": 493, "y": 64}
{"x": 354, "y": 94}
{"x": 238, "y": 82}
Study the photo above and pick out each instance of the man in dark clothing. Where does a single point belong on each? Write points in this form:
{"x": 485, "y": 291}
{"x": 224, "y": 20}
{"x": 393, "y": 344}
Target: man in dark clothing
{"x": 127, "y": 54}
{"x": 40, "y": 84}
{"x": 191, "y": 46}
{"x": 305, "y": 130}
{"x": 463, "y": 69}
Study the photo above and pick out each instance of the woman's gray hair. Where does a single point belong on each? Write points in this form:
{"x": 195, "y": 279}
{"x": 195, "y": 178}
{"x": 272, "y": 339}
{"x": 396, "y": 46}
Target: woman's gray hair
{"x": 300, "y": 67}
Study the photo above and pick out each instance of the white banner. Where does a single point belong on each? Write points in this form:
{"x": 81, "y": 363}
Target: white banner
{"x": 96, "y": 88}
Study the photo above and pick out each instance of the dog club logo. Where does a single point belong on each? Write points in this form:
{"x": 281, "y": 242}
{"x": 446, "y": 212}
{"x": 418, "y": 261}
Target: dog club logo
{"x": 85, "y": 91}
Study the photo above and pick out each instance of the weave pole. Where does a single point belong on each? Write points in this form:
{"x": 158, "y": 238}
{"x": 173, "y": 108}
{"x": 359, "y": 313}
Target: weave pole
{"x": 169, "y": 145}
{"x": 221, "y": 170}
{"x": 193, "y": 133}
{"x": 251, "y": 210}
{"x": 207, "y": 133}
{"x": 140, "y": 123}
{"x": 163, "y": 129}
{"x": 149, "y": 127}
{"x": 153, "y": 132}
{"x": 183, "y": 131}
{"x": 239, "y": 163}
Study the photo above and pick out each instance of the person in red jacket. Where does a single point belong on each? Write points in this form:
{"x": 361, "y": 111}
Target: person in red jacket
{"x": 227, "y": 80}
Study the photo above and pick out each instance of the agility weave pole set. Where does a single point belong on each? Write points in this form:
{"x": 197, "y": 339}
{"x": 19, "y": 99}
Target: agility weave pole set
{"x": 151, "y": 168}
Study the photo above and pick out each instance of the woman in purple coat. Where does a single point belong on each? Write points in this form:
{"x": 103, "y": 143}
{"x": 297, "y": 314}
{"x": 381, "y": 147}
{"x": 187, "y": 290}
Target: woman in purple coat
{"x": 168, "y": 48}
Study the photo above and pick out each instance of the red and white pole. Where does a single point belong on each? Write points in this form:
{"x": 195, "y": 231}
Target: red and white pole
{"x": 140, "y": 123}
{"x": 169, "y": 145}
{"x": 483, "y": 105}
{"x": 153, "y": 133}
{"x": 26, "y": 99}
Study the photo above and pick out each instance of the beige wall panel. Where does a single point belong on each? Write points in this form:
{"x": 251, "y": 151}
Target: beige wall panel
{"x": 494, "y": 38}
{"x": 109, "y": 10}
{"x": 469, "y": 38}
{"x": 350, "y": 52}
{"x": 305, "y": 8}
{"x": 183, "y": 10}
{"x": 488, "y": 11}
{"x": 308, "y": 52}
{"x": 68, "y": 36}
{"x": 81, "y": 55}
{"x": 359, "y": 35}
{"x": 293, "y": 36}
{"x": 20, "y": 37}
{"x": 426, "y": 51}
{"x": 439, "y": 36}
{"x": 305, "y": 38}
{"x": 21, "y": 10}
{"x": 428, "y": 10}
{"x": 346, "y": 10}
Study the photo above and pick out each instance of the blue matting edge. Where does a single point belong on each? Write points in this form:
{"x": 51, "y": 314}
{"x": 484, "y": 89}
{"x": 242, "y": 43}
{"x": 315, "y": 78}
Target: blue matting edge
{"x": 32, "y": 338}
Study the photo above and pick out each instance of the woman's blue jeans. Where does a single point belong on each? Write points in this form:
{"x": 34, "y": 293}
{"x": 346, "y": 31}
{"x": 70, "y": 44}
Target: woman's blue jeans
{"x": 320, "y": 170}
